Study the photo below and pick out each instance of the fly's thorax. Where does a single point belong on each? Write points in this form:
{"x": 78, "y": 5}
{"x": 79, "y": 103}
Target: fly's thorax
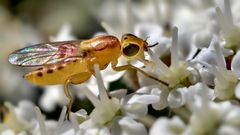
{"x": 99, "y": 43}
{"x": 103, "y": 50}
{"x": 133, "y": 47}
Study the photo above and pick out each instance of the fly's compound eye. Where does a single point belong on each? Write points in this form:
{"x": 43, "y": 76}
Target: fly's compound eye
{"x": 131, "y": 50}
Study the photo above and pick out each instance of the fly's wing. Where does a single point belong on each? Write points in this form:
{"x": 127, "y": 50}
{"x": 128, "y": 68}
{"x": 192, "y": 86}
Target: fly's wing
{"x": 46, "y": 53}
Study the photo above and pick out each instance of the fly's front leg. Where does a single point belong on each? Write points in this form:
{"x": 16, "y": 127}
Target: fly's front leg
{"x": 127, "y": 67}
{"x": 149, "y": 63}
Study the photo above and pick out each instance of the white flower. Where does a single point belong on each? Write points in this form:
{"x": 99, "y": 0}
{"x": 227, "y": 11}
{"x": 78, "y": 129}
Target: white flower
{"x": 18, "y": 119}
{"x": 109, "y": 76}
{"x": 210, "y": 117}
{"x": 173, "y": 126}
{"x": 62, "y": 127}
{"x": 153, "y": 33}
{"x": 225, "y": 80}
{"x": 228, "y": 130}
{"x": 108, "y": 110}
{"x": 136, "y": 104}
{"x": 11, "y": 132}
{"x": 128, "y": 126}
{"x": 177, "y": 72}
{"x": 105, "y": 108}
{"x": 209, "y": 55}
{"x": 237, "y": 91}
{"x": 230, "y": 31}
{"x": 182, "y": 96}
{"x": 235, "y": 64}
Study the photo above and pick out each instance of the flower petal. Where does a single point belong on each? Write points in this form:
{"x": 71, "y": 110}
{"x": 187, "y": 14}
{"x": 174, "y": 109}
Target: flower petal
{"x": 177, "y": 98}
{"x": 237, "y": 91}
{"x": 163, "y": 103}
{"x": 144, "y": 99}
{"x": 202, "y": 39}
{"x": 236, "y": 64}
{"x": 173, "y": 126}
{"x": 132, "y": 127}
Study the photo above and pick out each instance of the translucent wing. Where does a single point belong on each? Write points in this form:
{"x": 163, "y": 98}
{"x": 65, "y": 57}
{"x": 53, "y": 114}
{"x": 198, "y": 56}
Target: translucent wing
{"x": 47, "y": 53}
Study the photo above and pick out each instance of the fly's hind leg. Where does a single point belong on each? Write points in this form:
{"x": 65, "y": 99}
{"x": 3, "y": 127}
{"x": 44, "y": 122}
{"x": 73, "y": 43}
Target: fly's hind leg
{"x": 127, "y": 67}
{"x": 74, "y": 79}
{"x": 67, "y": 93}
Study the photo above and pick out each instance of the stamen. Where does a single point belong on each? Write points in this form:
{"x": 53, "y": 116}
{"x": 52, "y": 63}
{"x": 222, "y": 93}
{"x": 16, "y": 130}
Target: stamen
{"x": 157, "y": 11}
{"x": 40, "y": 121}
{"x": 161, "y": 67}
{"x": 218, "y": 74}
{"x": 91, "y": 97}
{"x": 129, "y": 21}
{"x": 221, "y": 19}
{"x": 214, "y": 70}
{"x": 74, "y": 122}
{"x": 108, "y": 28}
{"x": 60, "y": 120}
{"x": 220, "y": 58}
{"x": 102, "y": 90}
{"x": 228, "y": 12}
{"x": 174, "y": 48}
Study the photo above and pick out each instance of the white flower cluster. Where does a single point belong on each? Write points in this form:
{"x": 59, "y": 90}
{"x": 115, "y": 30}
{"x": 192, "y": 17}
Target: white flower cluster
{"x": 200, "y": 62}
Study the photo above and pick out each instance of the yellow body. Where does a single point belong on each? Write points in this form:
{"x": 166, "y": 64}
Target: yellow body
{"x": 100, "y": 50}
{"x": 73, "y": 61}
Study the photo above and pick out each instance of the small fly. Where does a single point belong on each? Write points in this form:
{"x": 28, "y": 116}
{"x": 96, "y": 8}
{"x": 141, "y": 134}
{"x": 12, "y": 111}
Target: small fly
{"x": 72, "y": 62}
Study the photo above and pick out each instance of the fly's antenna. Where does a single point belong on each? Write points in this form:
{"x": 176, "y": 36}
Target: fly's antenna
{"x": 153, "y": 44}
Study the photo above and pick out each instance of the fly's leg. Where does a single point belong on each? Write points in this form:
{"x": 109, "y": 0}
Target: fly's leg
{"x": 127, "y": 67}
{"x": 149, "y": 63}
{"x": 80, "y": 77}
{"x": 74, "y": 79}
{"x": 67, "y": 93}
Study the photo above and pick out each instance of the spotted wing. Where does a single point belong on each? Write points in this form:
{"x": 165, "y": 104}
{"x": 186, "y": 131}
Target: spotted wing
{"x": 45, "y": 54}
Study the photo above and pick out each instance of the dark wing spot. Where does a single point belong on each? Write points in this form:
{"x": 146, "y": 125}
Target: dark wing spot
{"x": 50, "y": 71}
{"x": 84, "y": 54}
{"x": 40, "y": 69}
{"x": 60, "y": 67}
{"x": 74, "y": 60}
{"x": 40, "y": 74}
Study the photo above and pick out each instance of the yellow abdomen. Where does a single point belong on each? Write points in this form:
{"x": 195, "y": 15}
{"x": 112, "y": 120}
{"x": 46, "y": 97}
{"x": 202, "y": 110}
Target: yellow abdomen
{"x": 57, "y": 73}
